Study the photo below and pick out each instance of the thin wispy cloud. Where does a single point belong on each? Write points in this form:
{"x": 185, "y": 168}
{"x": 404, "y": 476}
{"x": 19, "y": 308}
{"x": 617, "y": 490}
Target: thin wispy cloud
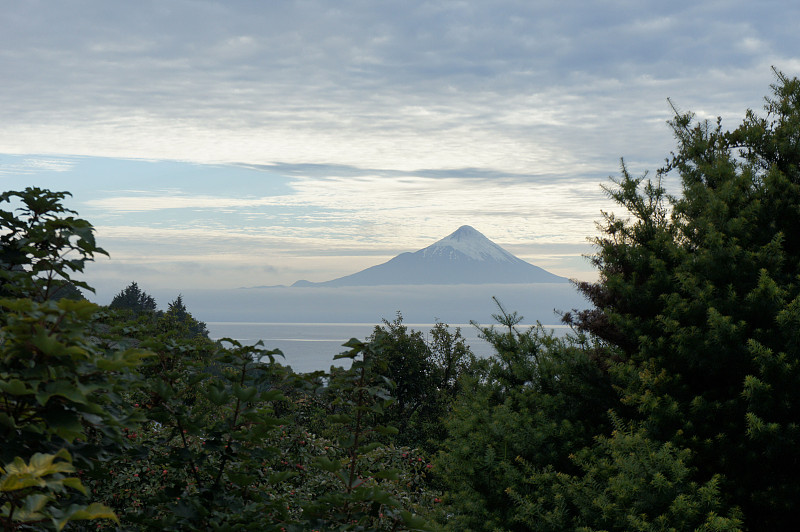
{"x": 315, "y": 132}
{"x": 35, "y": 165}
{"x": 556, "y": 210}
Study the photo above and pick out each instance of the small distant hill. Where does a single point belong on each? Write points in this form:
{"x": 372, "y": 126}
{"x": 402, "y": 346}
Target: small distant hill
{"x": 463, "y": 257}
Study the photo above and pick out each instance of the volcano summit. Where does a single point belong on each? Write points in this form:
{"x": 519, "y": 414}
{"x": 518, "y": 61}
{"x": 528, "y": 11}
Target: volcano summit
{"x": 463, "y": 257}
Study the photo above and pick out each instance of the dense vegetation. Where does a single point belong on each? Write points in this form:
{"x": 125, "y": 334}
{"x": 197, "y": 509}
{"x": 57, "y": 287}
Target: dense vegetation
{"x": 673, "y": 405}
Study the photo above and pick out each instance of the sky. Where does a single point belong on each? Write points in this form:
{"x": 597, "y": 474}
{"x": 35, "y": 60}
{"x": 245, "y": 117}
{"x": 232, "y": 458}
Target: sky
{"x": 219, "y": 144}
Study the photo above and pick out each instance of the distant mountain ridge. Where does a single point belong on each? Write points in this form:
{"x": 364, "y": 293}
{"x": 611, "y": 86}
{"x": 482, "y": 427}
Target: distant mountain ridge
{"x": 464, "y": 257}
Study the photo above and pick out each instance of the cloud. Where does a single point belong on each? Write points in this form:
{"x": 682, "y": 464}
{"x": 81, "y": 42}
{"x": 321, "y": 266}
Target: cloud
{"x": 35, "y": 165}
{"x": 402, "y": 208}
{"x": 521, "y": 87}
{"x": 153, "y": 201}
{"x": 376, "y": 127}
{"x": 332, "y": 226}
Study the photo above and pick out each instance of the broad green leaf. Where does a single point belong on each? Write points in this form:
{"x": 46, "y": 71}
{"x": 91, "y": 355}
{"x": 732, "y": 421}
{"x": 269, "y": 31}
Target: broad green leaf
{"x": 20, "y": 475}
{"x": 218, "y": 396}
{"x": 390, "y": 474}
{"x": 15, "y": 387}
{"x": 74, "y": 483}
{"x": 413, "y": 522}
{"x": 81, "y": 513}
{"x": 272, "y": 395}
{"x": 242, "y": 479}
{"x": 20, "y": 481}
{"x": 32, "y": 506}
{"x": 45, "y": 464}
{"x": 389, "y": 430}
{"x": 63, "y": 389}
{"x": 364, "y": 449}
{"x": 35, "y": 502}
{"x": 47, "y": 344}
{"x": 245, "y": 394}
{"x": 326, "y": 464}
{"x": 354, "y": 343}
{"x": 276, "y": 478}
{"x": 340, "y": 418}
{"x": 64, "y": 423}
{"x": 7, "y": 421}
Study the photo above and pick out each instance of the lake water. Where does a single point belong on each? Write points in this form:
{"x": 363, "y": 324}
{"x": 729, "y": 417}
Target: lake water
{"x": 312, "y": 346}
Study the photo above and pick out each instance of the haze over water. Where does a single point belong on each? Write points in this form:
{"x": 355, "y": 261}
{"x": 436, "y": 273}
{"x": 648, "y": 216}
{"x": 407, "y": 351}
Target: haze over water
{"x": 310, "y": 324}
{"x": 417, "y": 303}
{"x": 311, "y": 346}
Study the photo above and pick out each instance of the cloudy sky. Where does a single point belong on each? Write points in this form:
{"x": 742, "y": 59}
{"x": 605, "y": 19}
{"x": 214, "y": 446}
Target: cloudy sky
{"x": 236, "y": 143}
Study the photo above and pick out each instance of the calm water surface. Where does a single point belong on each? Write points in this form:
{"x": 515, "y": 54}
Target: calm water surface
{"x": 312, "y": 346}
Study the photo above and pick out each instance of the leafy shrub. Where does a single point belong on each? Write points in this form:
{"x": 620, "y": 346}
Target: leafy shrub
{"x": 60, "y": 394}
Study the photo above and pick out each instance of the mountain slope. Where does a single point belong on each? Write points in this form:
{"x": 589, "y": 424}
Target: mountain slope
{"x": 463, "y": 257}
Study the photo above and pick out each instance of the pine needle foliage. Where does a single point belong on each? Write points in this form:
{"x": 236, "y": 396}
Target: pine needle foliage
{"x": 701, "y": 296}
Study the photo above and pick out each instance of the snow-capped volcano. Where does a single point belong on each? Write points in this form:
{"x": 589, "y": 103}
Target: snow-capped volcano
{"x": 468, "y": 243}
{"x": 463, "y": 257}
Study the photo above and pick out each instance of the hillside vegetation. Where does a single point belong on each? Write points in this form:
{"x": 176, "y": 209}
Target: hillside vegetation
{"x": 674, "y": 404}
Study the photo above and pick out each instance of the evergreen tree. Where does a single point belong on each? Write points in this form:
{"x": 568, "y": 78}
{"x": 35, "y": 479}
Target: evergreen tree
{"x": 179, "y": 319}
{"x": 625, "y": 482}
{"x": 701, "y": 296}
{"x": 177, "y": 308}
{"x": 135, "y": 299}
{"x": 535, "y": 403}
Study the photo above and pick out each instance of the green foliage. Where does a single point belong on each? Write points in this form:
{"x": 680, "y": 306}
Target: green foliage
{"x": 362, "y": 501}
{"x": 42, "y": 244}
{"x": 134, "y": 299}
{"x": 60, "y": 393}
{"x": 533, "y": 404}
{"x": 198, "y": 463}
{"x": 699, "y": 294}
{"x": 215, "y": 454}
{"x": 624, "y": 482}
{"x": 451, "y": 358}
{"x": 169, "y": 429}
{"x": 138, "y": 311}
{"x": 405, "y": 360}
{"x": 57, "y": 386}
{"x": 424, "y": 378}
{"x": 178, "y": 318}
{"x": 673, "y": 405}
{"x": 27, "y": 491}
